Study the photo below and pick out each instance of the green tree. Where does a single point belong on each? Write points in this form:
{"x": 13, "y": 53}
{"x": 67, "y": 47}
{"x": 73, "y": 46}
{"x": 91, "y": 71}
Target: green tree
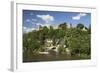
{"x": 63, "y": 26}
{"x": 89, "y": 29}
{"x": 51, "y": 33}
{"x": 80, "y": 26}
{"x": 78, "y": 41}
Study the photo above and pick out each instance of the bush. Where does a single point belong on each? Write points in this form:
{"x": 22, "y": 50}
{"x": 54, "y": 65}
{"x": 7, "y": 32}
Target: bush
{"x": 61, "y": 50}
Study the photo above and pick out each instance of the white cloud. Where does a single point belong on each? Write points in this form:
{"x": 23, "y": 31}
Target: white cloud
{"x": 39, "y": 24}
{"x": 26, "y": 29}
{"x": 34, "y": 20}
{"x": 47, "y": 25}
{"x": 28, "y": 20}
{"x": 83, "y": 14}
{"x": 47, "y": 18}
{"x": 77, "y": 17}
{"x": 31, "y": 20}
{"x": 31, "y": 14}
{"x": 55, "y": 26}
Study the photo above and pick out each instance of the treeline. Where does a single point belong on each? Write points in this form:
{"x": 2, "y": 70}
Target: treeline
{"x": 76, "y": 39}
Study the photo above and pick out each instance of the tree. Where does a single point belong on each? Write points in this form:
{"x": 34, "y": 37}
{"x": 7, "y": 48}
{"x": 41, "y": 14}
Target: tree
{"x": 63, "y": 26}
{"x": 51, "y": 33}
{"x": 80, "y": 26}
{"x": 89, "y": 29}
{"x": 43, "y": 34}
{"x": 61, "y": 50}
{"x": 78, "y": 41}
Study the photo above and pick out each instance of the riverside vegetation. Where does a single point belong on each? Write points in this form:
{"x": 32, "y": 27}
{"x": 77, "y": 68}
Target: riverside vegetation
{"x": 61, "y": 43}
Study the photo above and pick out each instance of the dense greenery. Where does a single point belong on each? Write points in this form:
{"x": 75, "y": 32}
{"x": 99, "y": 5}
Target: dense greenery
{"x": 75, "y": 39}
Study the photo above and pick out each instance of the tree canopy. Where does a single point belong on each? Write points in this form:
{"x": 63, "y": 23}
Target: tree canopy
{"x": 75, "y": 39}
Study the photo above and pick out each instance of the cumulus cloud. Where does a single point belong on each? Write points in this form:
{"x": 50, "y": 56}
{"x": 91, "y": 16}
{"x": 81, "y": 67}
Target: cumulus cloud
{"x": 31, "y": 14}
{"x": 77, "y": 17}
{"x": 48, "y": 25}
{"x": 47, "y": 18}
{"x": 28, "y": 20}
{"x": 31, "y": 20}
{"x": 82, "y": 14}
{"x": 39, "y": 24}
{"x": 26, "y": 29}
{"x": 34, "y": 20}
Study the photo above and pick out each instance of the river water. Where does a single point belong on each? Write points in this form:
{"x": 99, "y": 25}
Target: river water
{"x": 61, "y": 57}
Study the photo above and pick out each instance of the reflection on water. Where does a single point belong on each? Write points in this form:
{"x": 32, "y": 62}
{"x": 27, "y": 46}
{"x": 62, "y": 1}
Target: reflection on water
{"x": 49, "y": 57}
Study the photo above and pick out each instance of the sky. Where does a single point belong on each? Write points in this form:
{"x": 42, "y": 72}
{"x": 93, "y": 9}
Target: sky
{"x": 32, "y": 19}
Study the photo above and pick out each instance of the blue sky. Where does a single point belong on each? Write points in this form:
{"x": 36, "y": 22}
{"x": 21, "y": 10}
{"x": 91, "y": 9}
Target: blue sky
{"x": 33, "y": 18}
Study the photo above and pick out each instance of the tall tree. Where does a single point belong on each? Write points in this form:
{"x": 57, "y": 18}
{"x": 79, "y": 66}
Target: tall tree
{"x": 80, "y": 26}
{"x": 63, "y": 26}
{"x": 78, "y": 41}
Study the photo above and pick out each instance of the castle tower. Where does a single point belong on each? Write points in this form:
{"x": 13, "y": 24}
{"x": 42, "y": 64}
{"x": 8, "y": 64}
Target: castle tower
{"x": 70, "y": 25}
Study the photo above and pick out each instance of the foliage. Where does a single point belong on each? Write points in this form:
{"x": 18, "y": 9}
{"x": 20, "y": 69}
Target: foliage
{"x": 61, "y": 50}
{"x": 63, "y": 26}
{"x": 78, "y": 41}
{"x": 75, "y": 39}
{"x": 80, "y": 26}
